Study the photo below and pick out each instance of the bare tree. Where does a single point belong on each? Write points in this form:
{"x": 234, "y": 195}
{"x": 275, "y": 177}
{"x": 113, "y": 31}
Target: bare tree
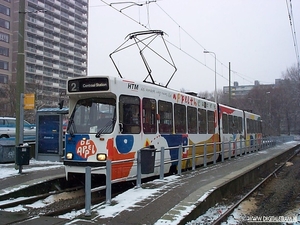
{"x": 206, "y": 95}
{"x": 291, "y": 99}
{"x": 292, "y": 74}
{"x": 8, "y": 99}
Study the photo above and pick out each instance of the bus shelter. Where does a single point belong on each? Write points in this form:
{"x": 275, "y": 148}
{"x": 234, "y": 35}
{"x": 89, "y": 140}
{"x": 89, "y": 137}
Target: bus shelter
{"x": 50, "y": 136}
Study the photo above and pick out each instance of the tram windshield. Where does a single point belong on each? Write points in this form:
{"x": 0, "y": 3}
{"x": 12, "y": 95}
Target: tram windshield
{"x": 93, "y": 115}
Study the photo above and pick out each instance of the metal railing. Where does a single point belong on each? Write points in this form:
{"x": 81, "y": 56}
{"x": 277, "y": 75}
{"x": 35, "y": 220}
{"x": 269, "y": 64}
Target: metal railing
{"x": 220, "y": 152}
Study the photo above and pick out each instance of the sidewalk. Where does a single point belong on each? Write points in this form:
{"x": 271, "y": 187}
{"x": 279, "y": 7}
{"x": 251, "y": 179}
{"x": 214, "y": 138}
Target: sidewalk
{"x": 36, "y": 171}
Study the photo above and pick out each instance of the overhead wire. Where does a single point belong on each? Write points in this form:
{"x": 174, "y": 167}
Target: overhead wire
{"x": 180, "y": 29}
{"x": 293, "y": 30}
{"x": 120, "y": 11}
{"x": 179, "y": 48}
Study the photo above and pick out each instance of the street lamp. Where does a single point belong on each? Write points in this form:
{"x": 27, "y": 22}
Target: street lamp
{"x": 205, "y": 51}
{"x": 269, "y": 114}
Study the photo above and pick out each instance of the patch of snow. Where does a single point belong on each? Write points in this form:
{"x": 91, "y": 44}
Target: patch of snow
{"x": 9, "y": 170}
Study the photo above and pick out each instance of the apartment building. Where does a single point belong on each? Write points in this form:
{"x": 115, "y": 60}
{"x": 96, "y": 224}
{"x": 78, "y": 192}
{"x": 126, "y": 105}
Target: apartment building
{"x": 55, "y": 42}
{"x": 5, "y": 40}
{"x": 238, "y": 91}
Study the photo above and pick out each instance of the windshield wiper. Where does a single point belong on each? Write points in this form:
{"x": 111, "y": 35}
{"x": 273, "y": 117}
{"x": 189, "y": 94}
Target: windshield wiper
{"x": 107, "y": 127}
{"x": 71, "y": 127}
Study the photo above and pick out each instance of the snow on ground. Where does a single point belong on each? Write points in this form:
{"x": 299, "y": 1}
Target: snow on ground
{"x": 8, "y": 169}
{"x": 123, "y": 202}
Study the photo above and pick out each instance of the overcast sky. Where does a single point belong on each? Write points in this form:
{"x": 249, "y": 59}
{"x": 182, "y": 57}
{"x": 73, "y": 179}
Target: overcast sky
{"x": 255, "y": 36}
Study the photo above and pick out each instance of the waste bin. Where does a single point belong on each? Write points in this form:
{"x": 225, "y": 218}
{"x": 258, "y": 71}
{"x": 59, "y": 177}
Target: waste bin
{"x": 148, "y": 159}
{"x": 7, "y": 151}
{"x": 22, "y": 155}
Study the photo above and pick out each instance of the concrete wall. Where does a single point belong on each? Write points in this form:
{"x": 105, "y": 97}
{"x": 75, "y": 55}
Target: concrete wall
{"x": 246, "y": 181}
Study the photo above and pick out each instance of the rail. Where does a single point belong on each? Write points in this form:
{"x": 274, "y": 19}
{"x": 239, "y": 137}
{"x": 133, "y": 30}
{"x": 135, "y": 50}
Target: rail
{"x": 224, "y": 150}
{"x": 224, "y": 215}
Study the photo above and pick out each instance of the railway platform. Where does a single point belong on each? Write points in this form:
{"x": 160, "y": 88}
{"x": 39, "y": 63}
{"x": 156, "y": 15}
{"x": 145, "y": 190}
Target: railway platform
{"x": 172, "y": 201}
{"x": 31, "y": 174}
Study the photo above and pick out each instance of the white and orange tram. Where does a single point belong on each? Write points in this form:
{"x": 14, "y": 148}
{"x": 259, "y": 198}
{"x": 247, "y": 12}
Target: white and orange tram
{"x": 112, "y": 118}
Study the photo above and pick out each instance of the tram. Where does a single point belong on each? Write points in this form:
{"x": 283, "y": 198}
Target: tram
{"x": 112, "y": 118}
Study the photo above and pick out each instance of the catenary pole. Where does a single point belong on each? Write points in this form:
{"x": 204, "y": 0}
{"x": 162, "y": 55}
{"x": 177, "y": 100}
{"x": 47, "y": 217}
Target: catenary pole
{"x": 20, "y": 74}
{"x": 229, "y": 85}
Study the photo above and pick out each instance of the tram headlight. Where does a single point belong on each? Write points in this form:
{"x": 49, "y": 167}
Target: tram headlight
{"x": 101, "y": 157}
{"x": 69, "y": 155}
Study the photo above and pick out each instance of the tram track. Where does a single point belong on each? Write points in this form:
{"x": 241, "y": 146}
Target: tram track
{"x": 254, "y": 192}
{"x": 56, "y": 202}
{"x": 32, "y": 199}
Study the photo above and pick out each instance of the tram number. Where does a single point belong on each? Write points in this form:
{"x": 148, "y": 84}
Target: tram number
{"x": 73, "y": 86}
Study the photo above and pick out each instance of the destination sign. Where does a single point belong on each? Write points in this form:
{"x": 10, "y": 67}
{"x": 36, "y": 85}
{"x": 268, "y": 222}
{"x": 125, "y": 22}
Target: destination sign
{"x": 88, "y": 85}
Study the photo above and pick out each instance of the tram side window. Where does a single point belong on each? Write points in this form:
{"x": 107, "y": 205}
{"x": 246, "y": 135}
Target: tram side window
{"x": 225, "y": 123}
{"x": 254, "y": 126}
{"x": 165, "y": 112}
{"x": 234, "y": 125}
{"x": 149, "y": 116}
{"x": 249, "y": 126}
{"x": 192, "y": 120}
{"x": 211, "y": 122}
{"x": 239, "y": 125}
{"x": 180, "y": 118}
{"x": 259, "y": 126}
{"x": 129, "y": 112}
{"x": 231, "y": 124}
{"x": 202, "y": 121}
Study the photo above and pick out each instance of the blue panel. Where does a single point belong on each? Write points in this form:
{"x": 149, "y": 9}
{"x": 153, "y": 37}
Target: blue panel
{"x": 71, "y": 145}
{"x": 175, "y": 140}
{"x": 48, "y": 135}
{"x": 124, "y": 143}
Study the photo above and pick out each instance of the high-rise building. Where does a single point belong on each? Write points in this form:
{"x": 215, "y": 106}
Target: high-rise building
{"x": 6, "y": 50}
{"x": 55, "y": 42}
{"x": 5, "y": 40}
